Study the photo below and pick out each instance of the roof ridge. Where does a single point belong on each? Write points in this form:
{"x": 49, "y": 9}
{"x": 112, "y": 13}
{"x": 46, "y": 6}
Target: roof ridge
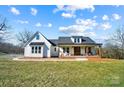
{"x": 52, "y": 39}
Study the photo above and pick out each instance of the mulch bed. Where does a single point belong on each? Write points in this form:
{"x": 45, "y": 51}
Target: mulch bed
{"x": 98, "y": 59}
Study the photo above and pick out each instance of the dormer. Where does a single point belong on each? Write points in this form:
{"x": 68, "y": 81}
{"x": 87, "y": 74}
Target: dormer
{"x": 77, "y": 39}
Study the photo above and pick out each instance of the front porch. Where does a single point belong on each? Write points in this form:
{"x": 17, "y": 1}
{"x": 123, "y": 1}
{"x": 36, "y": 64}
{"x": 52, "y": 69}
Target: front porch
{"x": 80, "y": 51}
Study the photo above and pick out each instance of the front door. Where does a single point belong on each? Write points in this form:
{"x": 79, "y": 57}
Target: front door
{"x": 76, "y": 50}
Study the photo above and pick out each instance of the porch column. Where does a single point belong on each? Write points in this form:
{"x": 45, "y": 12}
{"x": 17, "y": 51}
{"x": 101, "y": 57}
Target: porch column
{"x": 60, "y": 52}
{"x": 86, "y": 50}
{"x": 100, "y": 54}
{"x": 93, "y": 50}
{"x": 72, "y": 50}
{"x": 82, "y": 50}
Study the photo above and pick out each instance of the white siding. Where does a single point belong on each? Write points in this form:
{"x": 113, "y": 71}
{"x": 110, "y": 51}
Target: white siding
{"x": 45, "y": 49}
{"x": 28, "y": 52}
{"x": 72, "y": 39}
{"x": 53, "y": 52}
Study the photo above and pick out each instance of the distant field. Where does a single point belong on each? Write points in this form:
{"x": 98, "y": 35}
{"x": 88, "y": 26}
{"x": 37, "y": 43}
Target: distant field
{"x": 60, "y": 74}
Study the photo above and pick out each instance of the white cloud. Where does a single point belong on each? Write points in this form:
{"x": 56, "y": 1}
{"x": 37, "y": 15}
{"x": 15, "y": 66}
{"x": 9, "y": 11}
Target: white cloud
{"x": 94, "y": 17}
{"x": 71, "y": 9}
{"x": 106, "y": 26}
{"x": 72, "y": 29}
{"x": 34, "y": 11}
{"x": 38, "y": 24}
{"x": 105, "y": 17}
{"x": 86, "y": 22}
{"x": 81, "y": 26}
{"x": 68, "y": 15}
{"x": 85, "y": 27}
{"x": 2, "y": 32}
{"x": 22, "y": 21}
{"x": 77, "y": 30}
{"x": 58, "y": 8}
{"x": 116, "y": 16}
{"x": 49, "y": 25}
{"x": 14, "y": 11}
{"x": 90, "y": 34}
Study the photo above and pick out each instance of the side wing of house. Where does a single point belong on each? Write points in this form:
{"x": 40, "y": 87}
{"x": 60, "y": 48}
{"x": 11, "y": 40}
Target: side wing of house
{"x": 78, "y": 46}
{"x": 37, "y": 46}
{"x": 54, "y": 47}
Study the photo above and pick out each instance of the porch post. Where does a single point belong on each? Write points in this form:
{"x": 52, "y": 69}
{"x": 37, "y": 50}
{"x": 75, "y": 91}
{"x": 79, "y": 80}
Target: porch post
{"x": 60, "y": 52}
{"x": 72, "y": 51}
{"x": 100, "y": 54}
{"x": 86, "y": 50}
{"x": 81, "y": 50}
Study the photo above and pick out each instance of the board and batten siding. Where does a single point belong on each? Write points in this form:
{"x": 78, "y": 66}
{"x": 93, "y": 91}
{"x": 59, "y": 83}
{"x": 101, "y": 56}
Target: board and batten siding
{"x": 54, "y": 52}
{"x": 45, "y": 49}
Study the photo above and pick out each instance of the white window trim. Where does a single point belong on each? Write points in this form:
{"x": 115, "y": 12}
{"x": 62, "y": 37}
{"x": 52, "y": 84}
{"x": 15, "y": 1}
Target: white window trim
{"x": 36, "y": 51}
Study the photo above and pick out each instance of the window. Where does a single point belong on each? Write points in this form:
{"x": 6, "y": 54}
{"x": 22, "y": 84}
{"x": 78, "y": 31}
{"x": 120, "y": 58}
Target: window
{"x": 37, "y": 37}
{"x": 33, "y": 49}
{"x": 36, "y": 49}
{"x": 82, "y": 40}
{"x": 75, "y": 40}
{"x": 78, "y": 40}
{"x": 54, "y": 49}
{"x": 67, "y": 50}
{"x": 39, "y": 50}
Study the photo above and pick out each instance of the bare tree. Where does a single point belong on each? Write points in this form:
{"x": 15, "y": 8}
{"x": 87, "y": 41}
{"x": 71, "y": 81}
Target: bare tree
{"x": 24, "y": 36}
{"x": 3, "y": 27}
{"x": 115, "y": 45}
{"x": 118, "y": 37}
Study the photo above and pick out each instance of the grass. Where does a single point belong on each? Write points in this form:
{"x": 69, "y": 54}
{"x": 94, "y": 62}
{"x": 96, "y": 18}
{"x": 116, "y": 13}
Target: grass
{"x": 61, "y": 74}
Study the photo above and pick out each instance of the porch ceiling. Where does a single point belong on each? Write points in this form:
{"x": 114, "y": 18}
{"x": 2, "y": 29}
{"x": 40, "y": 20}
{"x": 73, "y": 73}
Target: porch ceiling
{"x": 36, "y": 43}
{"x": 77, "y": 45}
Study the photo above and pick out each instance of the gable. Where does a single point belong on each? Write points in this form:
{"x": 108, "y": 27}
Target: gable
{"x": 37, "y": 37}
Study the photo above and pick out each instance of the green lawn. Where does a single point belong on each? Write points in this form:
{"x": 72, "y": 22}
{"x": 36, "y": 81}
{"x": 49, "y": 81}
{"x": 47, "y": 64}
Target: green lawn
{"x": 61, "y": 74}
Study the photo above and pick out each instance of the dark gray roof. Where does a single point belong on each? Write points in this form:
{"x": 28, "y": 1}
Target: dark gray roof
{"x": 54, "y": 42}
{"x": 65, "y": 40}
{"x": 36, "y": 43}
{"x": 68, "y": 41}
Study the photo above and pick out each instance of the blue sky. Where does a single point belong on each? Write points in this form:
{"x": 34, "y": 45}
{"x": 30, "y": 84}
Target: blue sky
{"x": 97, "y": 22}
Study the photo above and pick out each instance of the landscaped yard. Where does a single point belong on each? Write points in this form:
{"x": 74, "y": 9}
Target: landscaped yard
{"x": 61, "y": 74}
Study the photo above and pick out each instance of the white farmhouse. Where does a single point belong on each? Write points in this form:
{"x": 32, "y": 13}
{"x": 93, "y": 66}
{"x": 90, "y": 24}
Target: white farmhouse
{"x": 40, "y": 46}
